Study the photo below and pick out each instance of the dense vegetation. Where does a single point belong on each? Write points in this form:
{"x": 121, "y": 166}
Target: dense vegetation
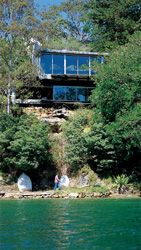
{"x": 24, "y": 144}
{"x": 107, "y": 137}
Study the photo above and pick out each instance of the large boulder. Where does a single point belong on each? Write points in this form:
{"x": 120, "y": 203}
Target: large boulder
{"x": 64, "y": 181}
{"x": 24, "y": 183}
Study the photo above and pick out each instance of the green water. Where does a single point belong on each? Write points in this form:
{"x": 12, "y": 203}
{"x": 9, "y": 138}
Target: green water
{"x": 100, "y": 224}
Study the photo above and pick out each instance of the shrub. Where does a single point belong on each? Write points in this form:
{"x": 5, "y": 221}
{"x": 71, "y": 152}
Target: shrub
{"x": 24, "y": 143}
{"x": 76, "y": 150}
{"x": 121, "y": 182}
{"x": 92, "y": 176}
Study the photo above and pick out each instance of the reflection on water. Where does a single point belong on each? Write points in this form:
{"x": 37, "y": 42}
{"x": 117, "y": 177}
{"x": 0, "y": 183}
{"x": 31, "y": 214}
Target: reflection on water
{"x": 70, "y": 224}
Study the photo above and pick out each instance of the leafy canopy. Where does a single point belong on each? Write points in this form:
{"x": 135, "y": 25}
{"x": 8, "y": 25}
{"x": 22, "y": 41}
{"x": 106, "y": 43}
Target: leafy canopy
{"x": 24, "y": 143}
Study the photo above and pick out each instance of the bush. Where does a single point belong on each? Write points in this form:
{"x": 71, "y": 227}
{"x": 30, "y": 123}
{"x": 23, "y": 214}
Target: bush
{"x": 121, "y": 182}
{"x": 76, "y": 150}
{"x": 24, "y": 143}
{"x": 125, "y": 136}
{"x": 92, "y": 176}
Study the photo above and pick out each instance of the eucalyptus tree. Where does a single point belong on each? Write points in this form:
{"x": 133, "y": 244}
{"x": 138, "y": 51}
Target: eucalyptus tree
{"x": 65, "y": 25}
{"x": 112, "y": 22}
{"x": 18, "y": 24}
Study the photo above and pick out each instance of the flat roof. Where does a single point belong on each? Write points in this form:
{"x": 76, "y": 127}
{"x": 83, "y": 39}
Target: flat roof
{"x": 71, "y": 52}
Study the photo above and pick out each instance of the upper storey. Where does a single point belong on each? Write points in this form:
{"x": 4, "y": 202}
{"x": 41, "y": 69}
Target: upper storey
{"x": 52, "y": 63}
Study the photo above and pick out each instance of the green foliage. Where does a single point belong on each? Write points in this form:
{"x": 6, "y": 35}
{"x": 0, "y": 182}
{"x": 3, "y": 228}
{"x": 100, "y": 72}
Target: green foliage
{"x": 18, "y": 26}
{"x": 125, "y": 136}
{"x": 118, "y": 82}
{"x": 58, "y": 144}
{"x": 76, "y": 151}
{"x": 100, "y": 149}
{"x": 23, "y": 143}
{"x": 64, "y": 25}
{"x": 113, "y": 22}
{"x": 92, "y": 176}
{"x": 102, "y": 190}
{"x": 121, "y": 182}
{"x": 87, "y": 142}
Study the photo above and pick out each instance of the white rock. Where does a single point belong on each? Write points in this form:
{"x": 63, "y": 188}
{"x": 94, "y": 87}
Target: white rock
{"x": 24, "y": 183}
{"x": 64, "y": 181}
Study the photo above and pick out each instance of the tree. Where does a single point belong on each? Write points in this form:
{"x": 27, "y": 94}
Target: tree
{"x": 76, "y": 150}
{"x": 125, "y": 136}
{"x": 18, "y": 25}
{"x": 24, "y": 144}
{"x": 117, "y": 102}
{"x": 113, "y": 22}
{"x": 118, "y": 84}
{"x": 64, "y": 25}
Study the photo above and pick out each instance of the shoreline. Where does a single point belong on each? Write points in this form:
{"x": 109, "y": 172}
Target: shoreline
{"x": 51, "y": 194}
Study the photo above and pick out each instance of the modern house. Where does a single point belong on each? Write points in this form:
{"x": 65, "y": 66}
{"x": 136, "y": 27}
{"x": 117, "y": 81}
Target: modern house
{"x": 65, "y": 76}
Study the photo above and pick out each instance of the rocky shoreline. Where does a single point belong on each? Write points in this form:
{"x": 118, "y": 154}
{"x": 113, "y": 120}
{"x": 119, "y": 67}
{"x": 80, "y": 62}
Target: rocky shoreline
{"x": 52, "y": 194}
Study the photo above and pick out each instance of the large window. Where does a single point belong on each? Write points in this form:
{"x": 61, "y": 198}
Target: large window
{"x": 71, "y": 65}
{"x": 70, "y": 93}
{"x": 59, "y": 93}
{"x": 46, "y": 64}
{"x": 81, "y": 94}
{"x": 73, "y": 94}
{"x": 83, "y": 65}
{"x": 58, "y": 64}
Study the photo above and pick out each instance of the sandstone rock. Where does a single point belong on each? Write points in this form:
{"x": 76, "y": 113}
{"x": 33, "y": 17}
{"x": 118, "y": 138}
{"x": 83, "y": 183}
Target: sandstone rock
{"x": 9, "y": 196}
{"x": 73, "y": 195}
{"x": 82, "y": 195}
{"x": 62, "y": 113}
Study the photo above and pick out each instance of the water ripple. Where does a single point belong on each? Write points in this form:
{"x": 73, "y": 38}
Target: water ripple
{"x": 70, "y": 224}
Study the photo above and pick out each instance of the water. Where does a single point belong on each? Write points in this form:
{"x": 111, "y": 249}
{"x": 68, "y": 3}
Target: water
{"x": 99, "y": 224}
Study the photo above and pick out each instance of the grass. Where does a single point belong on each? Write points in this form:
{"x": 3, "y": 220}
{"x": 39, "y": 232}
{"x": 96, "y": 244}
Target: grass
{"x": 90, "y": 189}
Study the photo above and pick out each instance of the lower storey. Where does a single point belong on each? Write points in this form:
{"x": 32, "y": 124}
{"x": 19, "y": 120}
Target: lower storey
{"x": 59, "y": 94}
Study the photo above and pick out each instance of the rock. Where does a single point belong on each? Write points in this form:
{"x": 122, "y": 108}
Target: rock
{"x": 54, "y": 123}
{"x": 55, "y": 196}
{"x": 24, "y": 183}
{"x": 84, "y": 180}
{"x": 9, "y": 196}
{"x": 73, "y": 195}
{"x": 2, "y": 193}
{"x": 61, "y": 113}
{"x": 64, "y": 181}
{"x": 82, "y": 195}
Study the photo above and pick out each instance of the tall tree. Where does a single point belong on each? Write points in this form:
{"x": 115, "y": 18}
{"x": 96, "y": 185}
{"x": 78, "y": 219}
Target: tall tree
{"x": 18, "y": 25}
{"x": 112, "y": 22}
{"x": 118, "y": 84}
{"x": 66, "y": 23}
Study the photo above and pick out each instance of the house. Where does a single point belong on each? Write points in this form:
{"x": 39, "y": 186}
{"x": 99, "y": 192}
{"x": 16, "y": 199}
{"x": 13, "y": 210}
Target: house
{"x": 65, "y": 76}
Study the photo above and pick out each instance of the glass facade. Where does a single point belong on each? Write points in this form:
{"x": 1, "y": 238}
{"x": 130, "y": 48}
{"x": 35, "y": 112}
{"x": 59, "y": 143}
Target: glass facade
{"x": 83, "y": 65}
{"x": 60, "y": 64}
{"x": 71, "y": 65}
{"x": 59, "y": 93}
{"x": 46, "y": 64}
{"x": 70, "y": 93}
{"x": 75, "y": 94}
{"x": 81, "y": 94}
